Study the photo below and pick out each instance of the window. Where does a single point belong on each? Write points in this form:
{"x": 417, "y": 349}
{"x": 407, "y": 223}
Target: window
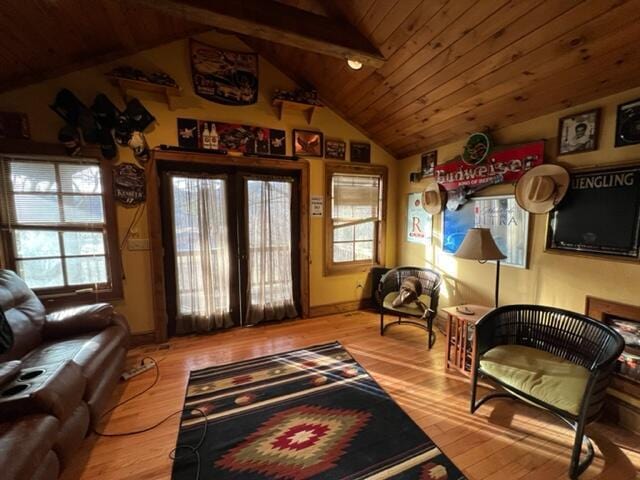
{"x": 58, "y": 225}
{"x": 354, "y": 217}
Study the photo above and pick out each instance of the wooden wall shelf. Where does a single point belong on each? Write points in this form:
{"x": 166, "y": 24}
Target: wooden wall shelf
{"x": 307, "y": 109}
{"x": 126, "y": 84}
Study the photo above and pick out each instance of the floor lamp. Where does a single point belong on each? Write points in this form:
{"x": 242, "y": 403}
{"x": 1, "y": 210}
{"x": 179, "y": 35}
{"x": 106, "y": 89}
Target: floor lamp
{"x": 478, "y": 244}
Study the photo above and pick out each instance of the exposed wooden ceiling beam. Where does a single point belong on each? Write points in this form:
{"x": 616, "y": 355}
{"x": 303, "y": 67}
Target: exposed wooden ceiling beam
{"x": 276, "y": 22}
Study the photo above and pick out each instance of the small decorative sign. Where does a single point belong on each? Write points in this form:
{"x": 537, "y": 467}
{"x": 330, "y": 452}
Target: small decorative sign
{"x": 129, "y": 184}
{"x": 476, "y": 149}
{"x": 360, "y": 152}
{"x": 221, "y": 76}
{"x": 14, "y": 125}
{"x": 317, "y": 205}
{"x": 506, "y": 165}
{"x": 419, "y": 222}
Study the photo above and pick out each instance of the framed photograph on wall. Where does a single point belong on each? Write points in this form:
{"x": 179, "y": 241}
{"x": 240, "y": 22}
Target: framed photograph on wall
{"x": 335, "y": 149}
{"x": 600, "y": 214}
{"x": 509, "y": 225}
{"x": 579, "y": 132}
{"x": 428, "y": 162}
{"x": 307, "y": 143}
{"x": 419, "y": 222}
{"x": 628, "y": 124}
{"x": 360, "y": 152}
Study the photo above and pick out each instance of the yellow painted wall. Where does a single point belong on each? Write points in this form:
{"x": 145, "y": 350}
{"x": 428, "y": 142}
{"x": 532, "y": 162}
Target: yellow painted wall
{"x": 173, "y": 59}
{"x": 552, "y": 278}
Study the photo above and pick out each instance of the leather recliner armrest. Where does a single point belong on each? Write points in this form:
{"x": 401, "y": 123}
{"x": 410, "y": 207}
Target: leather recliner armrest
{"x": 9, "y": 371}
{"x": 78, "y": 320}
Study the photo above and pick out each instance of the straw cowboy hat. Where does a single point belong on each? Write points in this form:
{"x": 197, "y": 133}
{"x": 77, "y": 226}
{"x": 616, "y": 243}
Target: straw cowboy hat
{"x": 434, "y": 198}
{"x": 540, "y": 189}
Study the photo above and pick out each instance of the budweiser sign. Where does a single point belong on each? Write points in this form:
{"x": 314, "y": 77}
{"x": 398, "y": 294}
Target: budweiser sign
{"x": 502, "y": 166}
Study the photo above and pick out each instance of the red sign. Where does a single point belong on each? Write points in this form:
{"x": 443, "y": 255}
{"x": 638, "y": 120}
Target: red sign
{"x": 502, "y": 166}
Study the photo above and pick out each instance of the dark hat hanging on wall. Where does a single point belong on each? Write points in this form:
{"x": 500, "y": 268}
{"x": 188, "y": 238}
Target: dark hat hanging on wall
{"x": 105, "y": 111}
{"x": 139, "y": 117}
{"x": 76, "y": 114}
{"x": 69, "y": 137}
{"x": 123, "y": 130}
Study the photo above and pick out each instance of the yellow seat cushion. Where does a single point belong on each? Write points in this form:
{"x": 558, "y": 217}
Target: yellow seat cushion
{"x": 540, "y": 374}
{"x": 410, "y": 309}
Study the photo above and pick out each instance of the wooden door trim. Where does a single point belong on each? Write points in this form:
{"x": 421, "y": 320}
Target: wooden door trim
{"x": 154, "y": 219}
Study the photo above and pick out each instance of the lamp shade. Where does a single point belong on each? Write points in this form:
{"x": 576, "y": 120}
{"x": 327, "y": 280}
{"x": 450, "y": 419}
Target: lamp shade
{"x": 478, "y": 244}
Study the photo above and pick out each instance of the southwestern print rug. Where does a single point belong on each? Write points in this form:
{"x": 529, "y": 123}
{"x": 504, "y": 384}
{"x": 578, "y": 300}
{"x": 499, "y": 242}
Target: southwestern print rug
{"x": 313, "y": 413}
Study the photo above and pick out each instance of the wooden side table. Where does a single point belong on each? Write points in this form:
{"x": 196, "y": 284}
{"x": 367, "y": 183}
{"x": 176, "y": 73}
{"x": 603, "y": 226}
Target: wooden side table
{"x": 461, "y": 346}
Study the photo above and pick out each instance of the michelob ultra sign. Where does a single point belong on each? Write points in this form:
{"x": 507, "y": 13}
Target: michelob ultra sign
{"x": 505, "y": 165}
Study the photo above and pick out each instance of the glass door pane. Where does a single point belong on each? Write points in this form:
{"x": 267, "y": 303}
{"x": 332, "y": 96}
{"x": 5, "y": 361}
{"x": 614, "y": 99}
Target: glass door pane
{"x": 269, "y": 233}
{"x": 202, "y": 253}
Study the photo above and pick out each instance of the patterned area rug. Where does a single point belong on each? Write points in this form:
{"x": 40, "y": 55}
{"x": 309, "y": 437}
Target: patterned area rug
{"x": 308, "y": 414}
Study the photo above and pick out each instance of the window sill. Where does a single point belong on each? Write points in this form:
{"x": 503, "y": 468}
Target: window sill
{"x": 337, "y": 269}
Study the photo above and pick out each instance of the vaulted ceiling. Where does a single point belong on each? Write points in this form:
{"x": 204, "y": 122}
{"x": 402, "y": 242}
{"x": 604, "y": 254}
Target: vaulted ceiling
{"x": 450, "y": 67}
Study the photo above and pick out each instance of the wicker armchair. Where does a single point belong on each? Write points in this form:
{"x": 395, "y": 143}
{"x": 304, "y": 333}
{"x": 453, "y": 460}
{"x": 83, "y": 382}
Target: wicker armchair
{"x": 390, "y": 284}
{"x": 575, "y": 342}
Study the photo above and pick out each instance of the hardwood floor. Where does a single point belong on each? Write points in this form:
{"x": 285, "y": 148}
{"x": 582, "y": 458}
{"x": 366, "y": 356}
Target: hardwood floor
{"x": 504, "y": 439}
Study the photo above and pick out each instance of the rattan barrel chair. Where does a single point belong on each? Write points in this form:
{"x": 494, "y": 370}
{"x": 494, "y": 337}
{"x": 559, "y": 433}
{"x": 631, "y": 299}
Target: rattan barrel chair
{"x": 388, "y": 289}
{"x": 555, "y": 359}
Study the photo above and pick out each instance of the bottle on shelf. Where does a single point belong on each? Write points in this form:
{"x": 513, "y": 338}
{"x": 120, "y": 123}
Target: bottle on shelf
{"x": 214, "y": 139}
{"x": 206, "y": 137}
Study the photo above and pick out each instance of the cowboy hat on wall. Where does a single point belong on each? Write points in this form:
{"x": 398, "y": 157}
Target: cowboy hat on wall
{"x": 434, "y": 198}
{"x": 540, "y": 189}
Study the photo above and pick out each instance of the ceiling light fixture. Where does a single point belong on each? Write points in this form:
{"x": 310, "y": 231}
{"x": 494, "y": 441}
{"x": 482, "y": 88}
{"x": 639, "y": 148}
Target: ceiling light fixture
{"x": 354, "y": 64}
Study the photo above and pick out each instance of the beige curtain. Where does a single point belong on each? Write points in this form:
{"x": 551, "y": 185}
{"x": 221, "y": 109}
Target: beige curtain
{"x": 270, "y": 290}
{"x": 202, "y": 254}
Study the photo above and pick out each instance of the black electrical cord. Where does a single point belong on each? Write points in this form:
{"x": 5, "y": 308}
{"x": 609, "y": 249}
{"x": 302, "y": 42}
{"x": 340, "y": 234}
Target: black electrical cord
{"x": 190, "y": 449}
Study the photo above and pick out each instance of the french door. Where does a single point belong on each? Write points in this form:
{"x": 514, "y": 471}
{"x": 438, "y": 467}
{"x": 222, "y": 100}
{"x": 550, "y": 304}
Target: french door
{"x": 229, "y": 241}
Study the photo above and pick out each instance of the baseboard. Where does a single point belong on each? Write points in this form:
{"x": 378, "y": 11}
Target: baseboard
{"x": 142, "y": 338}
{"x": 342, "y": 307}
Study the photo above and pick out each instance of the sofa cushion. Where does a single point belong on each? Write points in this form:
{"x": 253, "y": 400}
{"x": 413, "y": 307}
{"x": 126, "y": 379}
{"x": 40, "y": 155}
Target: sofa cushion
{"x": 409, "y": 309}
{"x": 24, "y": 445}
{"x": 78, "y": 320}
{"x": 71, "y": 434}
{"x": 537, "y": 373}
{"x": 48, "y": 469}
{"x": 24, "y": 312}
{"x": 92, "y": 352}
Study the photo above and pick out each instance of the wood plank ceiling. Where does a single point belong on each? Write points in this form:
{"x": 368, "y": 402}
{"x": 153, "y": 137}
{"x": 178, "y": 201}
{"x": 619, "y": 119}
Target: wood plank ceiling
{"x": 458, "y": 66}
{"x": 452, "y": 66}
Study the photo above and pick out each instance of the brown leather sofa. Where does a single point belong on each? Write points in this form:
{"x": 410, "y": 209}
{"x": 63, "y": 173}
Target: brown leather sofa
{"x": 56, "y": 380}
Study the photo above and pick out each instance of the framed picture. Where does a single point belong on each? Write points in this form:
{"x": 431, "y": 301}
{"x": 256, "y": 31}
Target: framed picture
{"x": 509, "y": 225}
{"x": 628, "y": 124}
{"x": 579, "y": 132}
{"x": 428, "y": 163}
{"x": 360, "y": 152}
{"x": 223, "y": 76}
{"x": 419, "y": 222}
{"x": 307, "y": 143}
{"x": 335, "y": 149}
{"x": 600, "y": 214}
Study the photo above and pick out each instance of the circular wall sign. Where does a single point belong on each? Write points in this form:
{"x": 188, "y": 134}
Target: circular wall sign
{"x": 476, "y": 149}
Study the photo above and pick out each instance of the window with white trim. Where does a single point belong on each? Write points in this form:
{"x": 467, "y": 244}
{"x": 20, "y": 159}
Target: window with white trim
{"x": 355, "y": 218}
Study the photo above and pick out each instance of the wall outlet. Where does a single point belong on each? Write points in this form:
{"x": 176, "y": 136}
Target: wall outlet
{"x": 138, "y": 244}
